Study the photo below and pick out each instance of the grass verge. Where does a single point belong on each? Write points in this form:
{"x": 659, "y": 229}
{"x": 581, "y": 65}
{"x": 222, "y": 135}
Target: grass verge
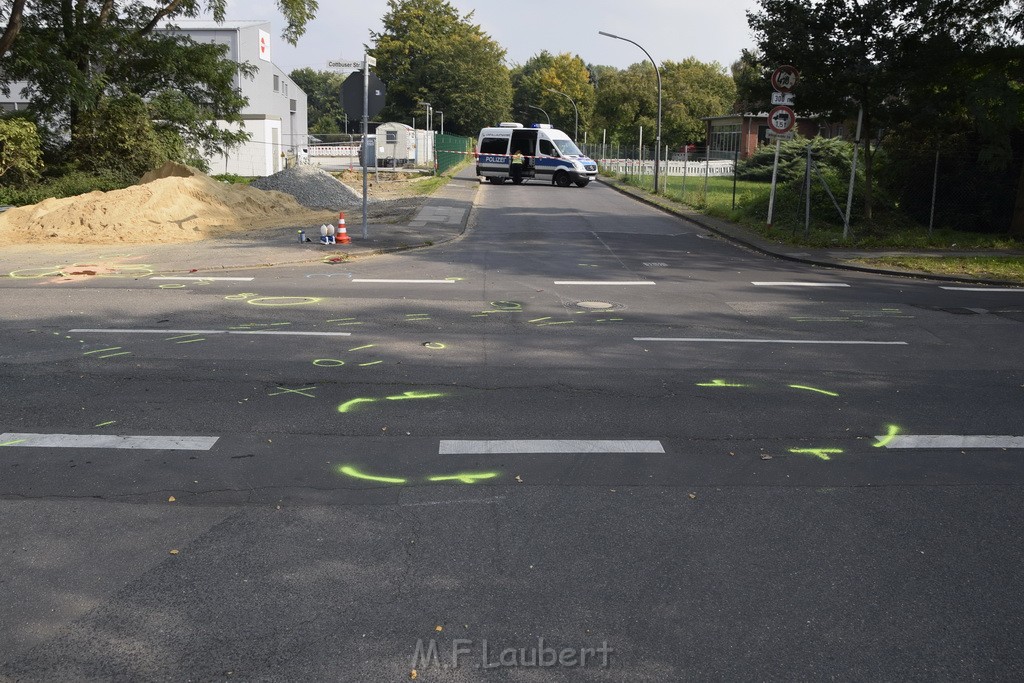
{"x": 1006, "y": 268}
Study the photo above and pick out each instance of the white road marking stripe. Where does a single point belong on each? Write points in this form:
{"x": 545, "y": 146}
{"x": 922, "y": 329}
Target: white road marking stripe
{"x": 602, "y": 282}
{"x": 952, "y": 441}
{"x": 175, "y": 443}
{"x": 766, "y": 341}
{"x": 283, "y": 332}
{"x": 148, "y": 331}
{"x": 408, "y": 282}
{"x": 226, "y": 279}
{"x": 491, "y": 447}
{"x": 274, "y": 332}
{"x": 799, "y": 284}
{"x": 984, "y": 289}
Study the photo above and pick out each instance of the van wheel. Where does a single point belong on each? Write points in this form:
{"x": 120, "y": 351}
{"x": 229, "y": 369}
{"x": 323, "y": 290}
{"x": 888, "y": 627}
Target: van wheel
{"x": 517, "y": 181}
{"x": 495, "y": 181}
{"x": 582, "y": 183}
{"x": 562, "y": 179}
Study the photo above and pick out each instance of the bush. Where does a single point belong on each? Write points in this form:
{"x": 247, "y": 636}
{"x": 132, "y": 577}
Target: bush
{"x": 118, "y": 135}
{"x": 20, "y": 156}
{"x": 67, "y": 185}
{"x": 830, "y": 153}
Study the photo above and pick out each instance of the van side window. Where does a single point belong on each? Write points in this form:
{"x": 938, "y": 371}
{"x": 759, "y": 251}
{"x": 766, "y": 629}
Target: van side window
{"x": 547, "y": 148}
{"x": 494, "y": 146}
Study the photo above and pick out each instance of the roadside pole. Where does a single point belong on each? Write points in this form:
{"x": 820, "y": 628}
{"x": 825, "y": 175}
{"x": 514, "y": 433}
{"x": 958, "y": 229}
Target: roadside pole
{"x": 368, "y": 61}
{"x": 853, "y": 175}
{"x": 775, "y": 175}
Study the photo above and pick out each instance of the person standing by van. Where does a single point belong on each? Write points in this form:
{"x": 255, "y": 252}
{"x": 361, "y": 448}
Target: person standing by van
{"x": 517, "y": 166}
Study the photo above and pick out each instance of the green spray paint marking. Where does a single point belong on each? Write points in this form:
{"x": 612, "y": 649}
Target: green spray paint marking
{"x": 104, "y": 424}
{"x": 363, "y": 365}
{"x": 884, "y": 441}
{"x": 301, "y": 391}
{"x": 112, "y": 348}
{"x": 465, "y": 478}
{"x": 360, "y": 348}
{"x": 190, "y": 341}
{"x": 719, "y": 383}
{"x": 11, "y": 443}
{"x": 347, "y": 405}
{"x": 820, "y": 391}
{"x": 413, "y": 394}
{"x": 434, "y": 345}
{"x": 537, "y": 320}
{"x": 111, "y": 355}
{"x": 558, "y": 322}
{"x": 182, "y": 336}
{"x": 822, "y": 453}
{"x": 339, "y": 320}
{"x": 328, "y": 362}
{"x": 350, "y": 471}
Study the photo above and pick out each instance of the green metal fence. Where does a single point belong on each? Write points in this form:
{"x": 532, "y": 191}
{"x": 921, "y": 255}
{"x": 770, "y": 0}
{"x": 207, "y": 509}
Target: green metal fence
{"x": 452, "y": 150}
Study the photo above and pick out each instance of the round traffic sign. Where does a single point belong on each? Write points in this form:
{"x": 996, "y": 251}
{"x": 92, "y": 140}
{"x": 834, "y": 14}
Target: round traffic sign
{"x": 781, "y": 119}
{"x": 785, "y": 78}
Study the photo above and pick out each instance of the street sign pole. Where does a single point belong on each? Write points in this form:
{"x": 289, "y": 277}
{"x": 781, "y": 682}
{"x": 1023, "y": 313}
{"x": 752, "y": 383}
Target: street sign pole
{"x": 775, "y": 175}
{"x": 368, "y": 61}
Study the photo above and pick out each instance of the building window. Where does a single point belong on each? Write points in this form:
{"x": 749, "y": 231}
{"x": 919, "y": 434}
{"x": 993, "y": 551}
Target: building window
{"x": 277, "y": 83}
{"x": 292, "y": 105}
{"x": 391, "y": 137}
{"x": 286, "y": 90}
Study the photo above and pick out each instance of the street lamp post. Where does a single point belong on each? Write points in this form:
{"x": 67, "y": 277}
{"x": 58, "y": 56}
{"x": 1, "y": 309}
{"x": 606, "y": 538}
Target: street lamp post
{"x": 576, "y": 130}
{"x": 542, "y": 111}
{"x": 657, "y": 133}
{"x": 442, "y": 121}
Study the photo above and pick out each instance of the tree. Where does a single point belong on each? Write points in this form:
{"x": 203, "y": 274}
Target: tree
{"x": 13, "y": 26}
{"x": 322, "y": 88}
{"x": 118, "y": 134}
{"x": 858, "y": 54}
{"x": 693, "y": 90}
{"x": 534, "y": 81}
{"x": 19, "y": 148}
{"x": 74, "y": 54}
{"x": 427, "y": 52}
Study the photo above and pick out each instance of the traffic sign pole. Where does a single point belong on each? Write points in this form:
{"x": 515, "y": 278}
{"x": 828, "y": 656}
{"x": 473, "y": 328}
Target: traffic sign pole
{"x": 367, "y": 62}
{"x": 775, "y": 175}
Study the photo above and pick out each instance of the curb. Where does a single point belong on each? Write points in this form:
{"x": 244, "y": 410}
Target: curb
{"x": 697, "y": 218}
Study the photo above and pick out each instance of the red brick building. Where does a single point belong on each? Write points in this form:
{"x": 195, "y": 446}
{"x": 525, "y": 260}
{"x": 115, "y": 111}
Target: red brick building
{"x": 747, "y": 132}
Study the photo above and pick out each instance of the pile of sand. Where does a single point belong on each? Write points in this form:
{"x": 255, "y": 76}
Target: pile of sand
{"x": 174, "y": 204}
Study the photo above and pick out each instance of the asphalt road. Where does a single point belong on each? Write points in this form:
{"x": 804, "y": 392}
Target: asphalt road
{"x": 585, "y": 422}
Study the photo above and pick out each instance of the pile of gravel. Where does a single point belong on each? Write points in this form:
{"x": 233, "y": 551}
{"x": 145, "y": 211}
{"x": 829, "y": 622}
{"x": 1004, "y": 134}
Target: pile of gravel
{"x": 311, "y": 187}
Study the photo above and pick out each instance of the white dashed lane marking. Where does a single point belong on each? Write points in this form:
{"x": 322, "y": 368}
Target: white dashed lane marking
{"x": 170, "y": 443}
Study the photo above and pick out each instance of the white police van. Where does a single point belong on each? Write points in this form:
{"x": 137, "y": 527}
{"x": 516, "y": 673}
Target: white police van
{"x": 551, "y": 155}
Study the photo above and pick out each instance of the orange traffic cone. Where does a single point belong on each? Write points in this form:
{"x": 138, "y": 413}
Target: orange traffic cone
{"x": 342, "y": 235}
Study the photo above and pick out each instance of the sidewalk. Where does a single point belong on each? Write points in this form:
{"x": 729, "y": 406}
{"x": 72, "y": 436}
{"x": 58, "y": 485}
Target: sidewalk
{"x": 833, "y": 258}
{"x": 443, "y": 217}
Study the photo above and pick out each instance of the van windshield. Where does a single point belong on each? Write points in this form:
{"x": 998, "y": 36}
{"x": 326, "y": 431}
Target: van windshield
{"x": 567, "y": 148}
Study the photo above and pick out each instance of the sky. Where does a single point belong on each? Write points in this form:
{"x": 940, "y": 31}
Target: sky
{"x": 671, "y": 30}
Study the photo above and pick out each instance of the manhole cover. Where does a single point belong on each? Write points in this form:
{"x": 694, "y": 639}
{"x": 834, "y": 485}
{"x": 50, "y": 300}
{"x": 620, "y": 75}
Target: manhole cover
{"x": 595, "y": 305}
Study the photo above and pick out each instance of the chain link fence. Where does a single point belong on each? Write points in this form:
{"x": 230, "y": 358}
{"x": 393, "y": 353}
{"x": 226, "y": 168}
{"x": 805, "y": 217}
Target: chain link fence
{"x": 962, "y": 188}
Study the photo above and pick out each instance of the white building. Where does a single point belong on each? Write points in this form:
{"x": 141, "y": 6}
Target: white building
{"x": 276, "y": 116}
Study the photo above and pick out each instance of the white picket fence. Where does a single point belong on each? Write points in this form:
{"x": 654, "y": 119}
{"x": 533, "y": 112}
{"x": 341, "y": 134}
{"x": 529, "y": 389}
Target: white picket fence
{"x": 713, "y": 167}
